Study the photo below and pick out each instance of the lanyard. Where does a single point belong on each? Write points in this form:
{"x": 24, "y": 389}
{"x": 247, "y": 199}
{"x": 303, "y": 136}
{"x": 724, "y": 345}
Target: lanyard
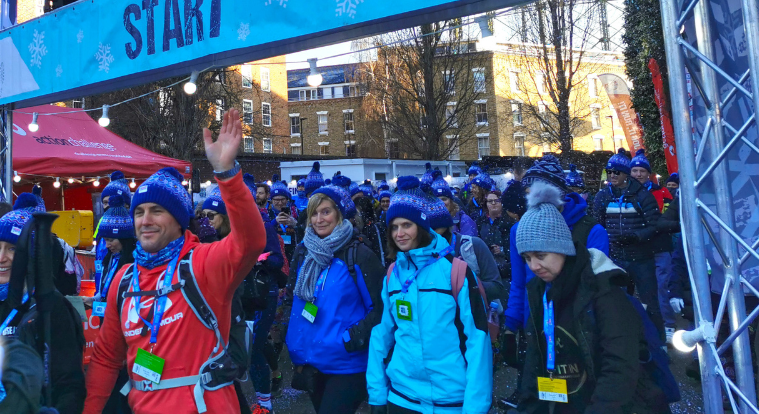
{"x": 12, "y": 314}
{"x": 405, "y": 285}
{"x": 109, "y": 277}
{"x": 284, "y": 228}
{"x": 159, "y": 303}
{"x": 321, "y": 281}
{"x": 548, "y": 330}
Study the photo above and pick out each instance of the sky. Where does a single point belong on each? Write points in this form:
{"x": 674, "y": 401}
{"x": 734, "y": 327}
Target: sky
{"x": 321, "y": 53}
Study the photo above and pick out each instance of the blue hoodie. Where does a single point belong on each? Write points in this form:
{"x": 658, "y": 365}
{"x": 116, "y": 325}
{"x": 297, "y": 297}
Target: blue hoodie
{"x": 517, "y": 312}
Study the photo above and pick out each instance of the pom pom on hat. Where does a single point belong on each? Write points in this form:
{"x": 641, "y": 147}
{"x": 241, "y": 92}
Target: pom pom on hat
{"x": 37, "y": 190}
{"x": 542, "y": 228}
{"x": 314, "y": 179}
{"x": 574, "y": 179}
{"x": 117, "y": 175}
{"x": 640, "y": 160}
{"x": 408, "y": 182}
{"x": 25, "y": 200}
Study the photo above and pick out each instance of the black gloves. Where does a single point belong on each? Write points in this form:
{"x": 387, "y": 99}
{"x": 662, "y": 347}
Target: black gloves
{"x": 379, "y": 409}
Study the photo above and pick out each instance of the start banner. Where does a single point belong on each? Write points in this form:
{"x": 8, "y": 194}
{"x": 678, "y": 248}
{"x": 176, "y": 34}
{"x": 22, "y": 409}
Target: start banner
{"x": 619, "y": 95}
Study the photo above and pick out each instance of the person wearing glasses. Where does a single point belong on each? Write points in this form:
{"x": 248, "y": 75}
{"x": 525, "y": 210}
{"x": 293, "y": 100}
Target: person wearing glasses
{"x": 630, "y": 214}
{"x": 494, "y": 231}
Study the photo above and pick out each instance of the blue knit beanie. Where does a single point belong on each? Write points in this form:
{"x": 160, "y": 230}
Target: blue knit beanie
{"x": 12, "y": 223}
{"x": 301, "y": 182}
{"x": 215, "y": 203}
{"x": 640, "y": 160}
{"x": 383, "y": 186}
{"x": 619, "y": 162}
{"x": 118, "y": 185}
{"x": 542, "y": 228}
{"x": 675, "y": 178}
{"x": 474, "y": 168}
{"x": 353, "y": 189}
{"x": 366, "y": 188}
{"x": 409, "y": 202}
{"x": 250, "y": 181}
{"x": 513, "y": 198}
{"x": 383, "y": 194}
{"x": 574, "y": 179}
{"x": 340, "y": 197}
{"x": 37, "y": 193}
{"x": 278, "y": 188}
{"x": 440, "y": 188}
{"x": 116, "y": 222}
{"x": 342, "y": 181}
{"x": 548, "y": 170}
{"x": 165, "y": 189}
{"x": 328, "y": 181}
{"x": 314, "y": 179}
{"x": 483, "y": 181}
{"x": 438, "y": 214}
{"x": 427, "y": 179}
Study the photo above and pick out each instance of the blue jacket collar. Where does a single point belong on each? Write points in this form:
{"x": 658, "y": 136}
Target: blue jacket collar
{"x": 574, "y": 208}
{"x": 421, "y": 255}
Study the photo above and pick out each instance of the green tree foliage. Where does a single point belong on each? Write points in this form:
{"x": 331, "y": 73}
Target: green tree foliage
{"x": 644, "y": 40}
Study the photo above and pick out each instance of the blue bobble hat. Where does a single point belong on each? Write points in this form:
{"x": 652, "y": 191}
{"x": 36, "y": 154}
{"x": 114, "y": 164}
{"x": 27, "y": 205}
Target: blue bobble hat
{"x": 438, "y": 214}
{"x": 165, "y": 189}
{"x": 427, "y": 176}
{"x": 619, "y": 162}
{"x": 328, "y": 182}
{"x": 118, "y": 185}
{"x": 342, "y": 181}
{"x": 474, "y": 169}
{"x": 574, "y": 179}
{"x": 548, "y": 170}
{"x": 640, "y": 160}
{"x": 314, "y": 179}
{"x": 301, "y": 182}
{"x": 341, "y": 199}
{"x": 483, "y": 180}
{"x": 440, "y": 188}
{"x": 366, "y": 188}
{"x": 383, "y": 194}
{"x": 353, "y": 189}
{"x": 383, "y": 186}
{"x": 675, "y": 178}
{"x": 215, "y": 203}
{"x": 278, "y": 188}
{"x": 37, "y": 192}
{"x": 250, "y": 181}
{"x": 409, "y": 202}
{"x": 116, "y": 222}
{"x": 542, "y": 228}
{"x": 12, "y": 223}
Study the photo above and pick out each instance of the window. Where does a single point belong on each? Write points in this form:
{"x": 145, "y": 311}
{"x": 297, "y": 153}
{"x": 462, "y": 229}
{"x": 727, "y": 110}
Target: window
{"x": 595, "y": 117}
{"x": 598, "y": 142}
{"x": 295, "y": 149}
{"x": 519, "y": 144}
{"x": 423, "y": 120}
{"x": 540, "y": 81}
{"x": 516, "y": 112}
{"x": 327, "y": 92}
{"x": 541, "y": 107}
{"x": 449, "y": 83}
{"x": 308, "y": 95}
{"x": 265, "y": 82}
{"x": 352, "y": 91}
{"x": 450, "y": 115}
{"x": 324, "y": 148}
{"x": 481, "y": 113}
{"x": 483, "y": 145}
{"x": 380, "y": 176}
{"x": 247, "y": 77}
{"x": 479, "y": 80}
{"x": 619, "y": 142}
{"x": 295, "y": 124}
{"x": 322, "y": 121}
{"x": 514, "y": 81}
{"x": 453, "y": 146}
{"x": 593, "y": 86}
{"x": 348, "y": 121}
{"x": 350, "y": 148}
{"x": 337, "y": 92}
{"x": 220, "y": 77}
{"x": 266, "y": 114}
{"x": 79, "y": 103}
{"x": 267, "y": 145}
{"x": 393, "y": 149}
{"x": 248, "y": 144}
{"x": 247, "y": 111}
{"x": 220, "y": 104}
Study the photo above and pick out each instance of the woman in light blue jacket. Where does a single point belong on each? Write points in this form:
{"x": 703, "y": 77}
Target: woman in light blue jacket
{"x": 441, "y": 358}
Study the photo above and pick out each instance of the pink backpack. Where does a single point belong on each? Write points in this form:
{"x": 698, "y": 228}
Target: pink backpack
{"x": 458, "y": 275}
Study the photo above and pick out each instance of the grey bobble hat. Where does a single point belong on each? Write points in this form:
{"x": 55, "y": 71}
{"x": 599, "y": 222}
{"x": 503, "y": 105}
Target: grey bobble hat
{"x": 543, "y": 228}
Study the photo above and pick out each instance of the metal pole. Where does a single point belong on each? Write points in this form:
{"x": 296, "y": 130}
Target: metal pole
{"x": 8, "y": 162}
{"x": 751, "y": 26}
{"x": 691, "y": 222}
{"x": 724, "y": 197}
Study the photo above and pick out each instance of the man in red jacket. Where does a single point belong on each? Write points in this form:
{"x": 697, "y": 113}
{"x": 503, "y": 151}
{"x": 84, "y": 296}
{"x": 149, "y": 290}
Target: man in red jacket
{"x": 148, "y": 330}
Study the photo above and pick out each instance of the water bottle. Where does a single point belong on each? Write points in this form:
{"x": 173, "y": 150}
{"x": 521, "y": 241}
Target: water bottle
{"x": 493, "y": 322}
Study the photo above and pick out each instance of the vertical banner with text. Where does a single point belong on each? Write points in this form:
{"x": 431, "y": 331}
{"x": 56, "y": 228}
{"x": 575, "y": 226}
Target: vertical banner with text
{"x": 667, "y": 131}
{"x": 619, "y": 95}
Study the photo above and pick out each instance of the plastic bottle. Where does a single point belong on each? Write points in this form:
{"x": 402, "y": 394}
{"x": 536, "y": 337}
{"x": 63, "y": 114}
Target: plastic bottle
{"x": 493, "y": 322}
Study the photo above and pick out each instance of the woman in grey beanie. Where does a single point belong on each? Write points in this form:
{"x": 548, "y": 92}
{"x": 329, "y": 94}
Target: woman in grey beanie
{"x": 584, "y": 337}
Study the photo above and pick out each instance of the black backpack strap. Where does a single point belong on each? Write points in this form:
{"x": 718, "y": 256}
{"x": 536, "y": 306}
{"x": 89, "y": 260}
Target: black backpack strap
{"x": 194, "y": 297}
{"x": 581, "y": 230}
{"x": 126, "y": 279}
{"x": 350, "y": 258}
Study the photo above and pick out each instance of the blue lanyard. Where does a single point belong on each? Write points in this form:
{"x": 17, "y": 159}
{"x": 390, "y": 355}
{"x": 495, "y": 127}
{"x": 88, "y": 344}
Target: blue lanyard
{"x": 405, "y": 285}
{"x": 109, "y": 278}
{"x": 321, "y": 281}
{"x": 283, "y": 227}
{"x": 12, "y": 314}
{"x": 160, "y": 302}
{"x": 548, "y": 330}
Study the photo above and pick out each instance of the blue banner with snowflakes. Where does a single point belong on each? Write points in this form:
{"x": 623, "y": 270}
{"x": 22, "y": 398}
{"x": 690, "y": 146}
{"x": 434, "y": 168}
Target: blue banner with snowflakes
{"x": 94, "y": 46}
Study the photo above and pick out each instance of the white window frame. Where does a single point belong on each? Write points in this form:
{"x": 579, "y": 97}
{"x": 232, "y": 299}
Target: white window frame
{"x": 619, "y": 142}
{"x": 449, "y": 86}
{"x": 267, "y": 142}
{"x": 327, "y": 92}
{"x": 595, "y": 116}
{"x": 480, "y": 147}
{"x": 480, "y": 86}
{"x": 393, "y": 141}
{"x": 324, "y": 145}
{"x": 514, "y": 80}
{"x": 477, "y": 114}
{"x": 540, "y": 81}
{"x": 220, "y": 103}
{"x": 346, "y": 113}
{"x": 519, "y": 144}
{"x": 450, "y": 116}
{"x": 325, "y": 123}
{"x": 350, "y": 144}
{"x": 248, "y": 144}
{"x": 298, "y": 146}
{"x": 455, "y": 155}
{"x": 300, "y": 126}
{"x": 520, "y": 106}
{"x": 266, "y": 114}
{"x": 247, "y": 116}
{"x": 265, "y": 75}
{"x": 542, "y": 107}
{"x": 593, "y": 86}
{"x": 598, "y": 142}
{"x": 246, "y": 74}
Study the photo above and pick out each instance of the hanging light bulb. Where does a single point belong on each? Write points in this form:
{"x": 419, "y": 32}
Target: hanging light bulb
{"x": 314, "y": 78}
{"x": 16, "y": 177}
{"x": 96, "y": 183}
{"x": 190, "y": 87}
{"x": 71, "y": 181}
{"x": 33, "y": 127}
{"x": 132, "y": 184}
{"x": 184, "y": 183}
{"x": 104, "y": 121}
{"x": 57, "y": 183}
{"x": 268, "y": 183}
{"x": 208, "y": 183}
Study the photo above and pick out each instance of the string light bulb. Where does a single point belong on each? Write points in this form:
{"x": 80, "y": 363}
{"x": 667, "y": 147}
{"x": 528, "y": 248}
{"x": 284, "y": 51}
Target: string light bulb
{"x": 184, "y": 183}
{"x": 132, "y": 184}
{"x": 96, "y": 183}
{"x": 57, "y": 183}
{"x": 314, "y": 78}
{"x": 104, "y": 121}
{"x": 190, "y": 87}
{"x": 208, "y": 183}
{"x": 33, "y": 127}
{"x": 16, "y": 177}
{"x": 71, "y": 181}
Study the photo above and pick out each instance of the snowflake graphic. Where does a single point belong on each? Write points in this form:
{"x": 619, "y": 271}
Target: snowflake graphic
{"x": 37, "y": 48}
{"x": 282, "y": 3}
{"x": 243, "y": 31}
{"x": 104, "y": 57}
{"x": 58, "y": 71}
{"x": 347, "y": 7}
{"x": 80, "y": 36}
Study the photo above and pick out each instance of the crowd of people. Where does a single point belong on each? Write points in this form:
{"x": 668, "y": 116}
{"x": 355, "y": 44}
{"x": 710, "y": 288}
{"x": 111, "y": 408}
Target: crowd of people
{"x": 407, "y": 298}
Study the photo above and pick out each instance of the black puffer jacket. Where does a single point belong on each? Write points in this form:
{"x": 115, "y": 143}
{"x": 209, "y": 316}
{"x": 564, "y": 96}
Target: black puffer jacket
{"x": 598, "y": 335}
{"x": 630, "y": 217}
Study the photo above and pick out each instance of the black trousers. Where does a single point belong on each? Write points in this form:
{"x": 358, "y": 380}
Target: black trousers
{"x": 338, "y": 394}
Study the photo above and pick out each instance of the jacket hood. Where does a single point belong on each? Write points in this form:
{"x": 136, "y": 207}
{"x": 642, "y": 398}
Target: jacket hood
{"x": 421, "y": 255}
{"x": 575, "y": 208}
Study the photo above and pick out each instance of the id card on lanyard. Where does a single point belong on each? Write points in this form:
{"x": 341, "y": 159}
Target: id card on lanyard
{"x": 402, "y": 306}
{"x": 551, "y": 389}
{"x": 309, "y": 309}
{"x": 98, "y": 308}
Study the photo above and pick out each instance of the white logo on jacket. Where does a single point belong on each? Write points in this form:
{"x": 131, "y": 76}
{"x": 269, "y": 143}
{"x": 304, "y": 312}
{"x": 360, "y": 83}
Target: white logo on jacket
{"x": 145, "y": 303}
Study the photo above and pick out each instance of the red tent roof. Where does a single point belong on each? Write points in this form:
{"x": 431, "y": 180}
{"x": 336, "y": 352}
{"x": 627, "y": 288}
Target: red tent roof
{"x": 73, "y": 144}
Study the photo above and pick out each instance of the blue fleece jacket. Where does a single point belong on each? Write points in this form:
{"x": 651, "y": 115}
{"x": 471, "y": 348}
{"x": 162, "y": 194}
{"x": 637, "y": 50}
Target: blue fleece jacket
{"x": 517, "y": 312}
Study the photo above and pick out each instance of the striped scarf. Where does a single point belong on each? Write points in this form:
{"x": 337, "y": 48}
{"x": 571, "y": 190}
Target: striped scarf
{"x": 153, "y": 260}
{"x": 319, "y": 256}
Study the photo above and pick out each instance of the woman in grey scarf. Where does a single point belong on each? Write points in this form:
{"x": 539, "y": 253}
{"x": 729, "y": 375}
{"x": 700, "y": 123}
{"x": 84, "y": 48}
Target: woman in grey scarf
{"x": 337, "y": 285}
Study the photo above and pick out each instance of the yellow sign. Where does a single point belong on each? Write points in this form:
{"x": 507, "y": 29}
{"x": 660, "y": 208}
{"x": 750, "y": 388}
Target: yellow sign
{"x": 552, "y": 389}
